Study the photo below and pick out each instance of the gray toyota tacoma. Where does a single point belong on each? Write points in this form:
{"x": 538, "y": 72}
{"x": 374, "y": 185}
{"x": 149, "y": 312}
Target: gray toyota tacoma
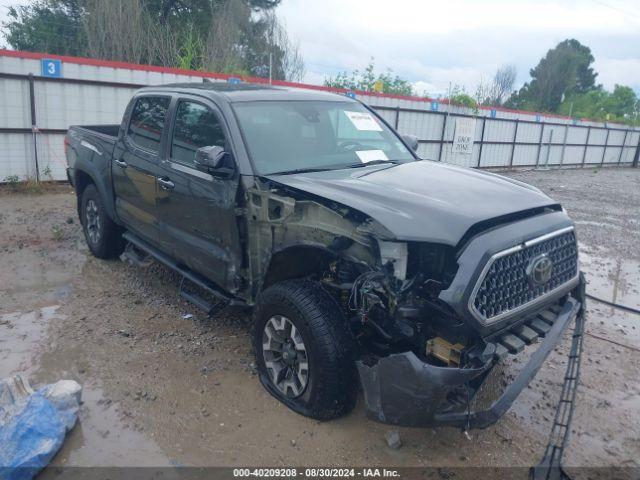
{"x": 365, "y": 267}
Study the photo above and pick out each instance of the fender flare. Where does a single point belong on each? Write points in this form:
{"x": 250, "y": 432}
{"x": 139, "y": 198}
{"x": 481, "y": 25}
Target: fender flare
{"x": 103, "y": 186}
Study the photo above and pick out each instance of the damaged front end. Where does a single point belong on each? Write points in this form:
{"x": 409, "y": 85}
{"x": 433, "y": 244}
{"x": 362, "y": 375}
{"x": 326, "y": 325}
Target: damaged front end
{"x": 435, "y": 333}
{"x": 402, "y": 389}
{"x": 432, "y": 321}
{"x": 442, "y": 375}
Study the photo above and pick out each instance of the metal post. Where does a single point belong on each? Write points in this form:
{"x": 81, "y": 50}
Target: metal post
{"x": 546, "y": 161}
{"x": 586, "y": 145}
{"x": 539, "y": 144}
{"x": 32, "y": 102}
{"x": 397, "y": 122}
{"x": 444, "y": 129}
{"x": 564, "y": 142}
{"x": 623, "y": 144}
{"x": 484, "y": 122}
{"x": 513, "y": 147}
{"x": 637, "y": 157}
{"x": 604, "y": 150}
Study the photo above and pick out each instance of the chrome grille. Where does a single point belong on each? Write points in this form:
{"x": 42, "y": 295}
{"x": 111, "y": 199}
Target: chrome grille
{"x": 505, "y": 286}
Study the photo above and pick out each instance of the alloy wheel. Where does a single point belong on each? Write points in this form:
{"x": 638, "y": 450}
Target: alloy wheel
{"x": 285, "y": 356}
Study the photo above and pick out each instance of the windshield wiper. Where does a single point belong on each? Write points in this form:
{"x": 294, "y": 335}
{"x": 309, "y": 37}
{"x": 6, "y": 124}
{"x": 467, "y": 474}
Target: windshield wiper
{"x": 372, "y": 162}
{"x": 300, "y": 170}
{"x": 326, "y": 169}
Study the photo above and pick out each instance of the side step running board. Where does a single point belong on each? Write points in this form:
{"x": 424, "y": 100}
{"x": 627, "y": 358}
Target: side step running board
{"x": 135, "y": 256}
{"x": 187, "y": 275}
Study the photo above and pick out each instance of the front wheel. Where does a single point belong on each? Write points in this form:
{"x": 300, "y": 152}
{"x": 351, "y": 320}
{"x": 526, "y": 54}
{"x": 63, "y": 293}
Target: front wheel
{"x": 305, "y": 352}
{"x": 103, "y": 236}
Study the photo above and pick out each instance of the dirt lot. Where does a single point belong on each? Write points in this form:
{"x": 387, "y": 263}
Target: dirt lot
{"x": 164, "y": 388}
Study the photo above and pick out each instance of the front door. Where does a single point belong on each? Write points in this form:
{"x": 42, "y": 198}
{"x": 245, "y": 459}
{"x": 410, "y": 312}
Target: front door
{"x": 196, "y": 210}
{"x": 135, "y": 166}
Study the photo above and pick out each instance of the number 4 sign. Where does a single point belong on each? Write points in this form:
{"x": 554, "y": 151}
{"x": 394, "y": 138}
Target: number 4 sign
{"x": 51, "y": 67}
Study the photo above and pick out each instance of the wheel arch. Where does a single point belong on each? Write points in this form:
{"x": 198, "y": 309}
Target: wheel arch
{"x": 82, "y": 179}
{"x": 295, "y": 261}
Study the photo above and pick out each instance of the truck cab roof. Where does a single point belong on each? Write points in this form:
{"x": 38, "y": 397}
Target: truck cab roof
{"x": 247, "y": 92}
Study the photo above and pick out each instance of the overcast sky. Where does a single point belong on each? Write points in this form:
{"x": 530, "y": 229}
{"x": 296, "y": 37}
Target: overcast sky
{"x": 432, "y": 43}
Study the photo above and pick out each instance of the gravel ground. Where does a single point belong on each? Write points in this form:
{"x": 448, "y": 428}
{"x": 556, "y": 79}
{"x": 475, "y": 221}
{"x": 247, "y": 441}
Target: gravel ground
{"x": 604, "y": 203}
{"x": 165, "y": 388}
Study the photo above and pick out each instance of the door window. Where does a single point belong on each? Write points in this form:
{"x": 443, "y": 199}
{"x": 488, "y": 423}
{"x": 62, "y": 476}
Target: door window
{"x": 147, "y": 122}
{"x": 196, "y": 126}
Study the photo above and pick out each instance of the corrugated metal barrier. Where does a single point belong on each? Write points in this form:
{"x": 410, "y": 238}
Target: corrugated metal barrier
{"x": 38, "y": 102}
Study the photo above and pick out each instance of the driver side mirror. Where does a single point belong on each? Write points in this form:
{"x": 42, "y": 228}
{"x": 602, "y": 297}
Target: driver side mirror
{"x": 411, "y": 141}
{"x": 211, "y": 160}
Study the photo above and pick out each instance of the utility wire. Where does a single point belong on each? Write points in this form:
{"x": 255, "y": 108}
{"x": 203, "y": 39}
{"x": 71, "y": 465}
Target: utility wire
{"x": 626, "y": 12}
{"x": 614, "y": 305}
{"x": 635, "y": 349}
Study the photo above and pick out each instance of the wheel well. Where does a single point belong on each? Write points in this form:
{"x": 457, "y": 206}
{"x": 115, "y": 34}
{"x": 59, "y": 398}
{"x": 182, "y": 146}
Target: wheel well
{"x": 82, "y": 181}
{"x": 295, "y": 262}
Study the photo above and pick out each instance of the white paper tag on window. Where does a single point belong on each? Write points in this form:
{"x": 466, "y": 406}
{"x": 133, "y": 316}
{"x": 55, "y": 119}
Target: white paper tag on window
{"x": 367, "y": 156}
{"x": 363, "y": 121}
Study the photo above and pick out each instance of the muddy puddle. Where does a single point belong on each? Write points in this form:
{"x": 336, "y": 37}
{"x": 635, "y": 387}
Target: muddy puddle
{"x": 101, "y": 436}
{"x": 22, "y": 337}
{"x": 616, "y": 280}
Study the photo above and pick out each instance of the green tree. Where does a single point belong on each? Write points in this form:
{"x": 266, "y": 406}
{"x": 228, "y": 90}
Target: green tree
{"x": 367, "y": 79}
{"x": 622, "y": 102}
{"x": 621, "y": 105}
{"x": 565, "y": 70}
{"x": 459, "y": 96}
{"x": 47, "y": 26}
{"x": 233, "y": 36}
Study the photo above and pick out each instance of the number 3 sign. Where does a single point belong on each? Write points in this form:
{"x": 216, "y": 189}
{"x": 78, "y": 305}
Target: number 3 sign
{"x": 51, "y": 68}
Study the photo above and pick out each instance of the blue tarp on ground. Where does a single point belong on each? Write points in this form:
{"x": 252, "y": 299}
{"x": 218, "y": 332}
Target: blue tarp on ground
{"x": 33, "y": 424}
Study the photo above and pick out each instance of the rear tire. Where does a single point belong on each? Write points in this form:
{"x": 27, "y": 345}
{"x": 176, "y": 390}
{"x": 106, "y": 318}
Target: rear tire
{"x": 298, "y": 318}
{"x": 103, "y": 236}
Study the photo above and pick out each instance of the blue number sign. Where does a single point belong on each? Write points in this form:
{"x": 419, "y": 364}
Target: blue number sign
{"x": 434, "y": 106}
{"x": 494, "y": 112}
{"x": 51, "y": 67}
{"x": 234, "y": 80}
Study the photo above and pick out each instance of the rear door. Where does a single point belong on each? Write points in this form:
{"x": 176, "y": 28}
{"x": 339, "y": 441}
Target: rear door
{"x": 196, "y": 210}
{"x": 136, "y": 160}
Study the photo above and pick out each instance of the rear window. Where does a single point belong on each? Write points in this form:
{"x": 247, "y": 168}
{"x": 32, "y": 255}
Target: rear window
{"x": 147, "y": 122}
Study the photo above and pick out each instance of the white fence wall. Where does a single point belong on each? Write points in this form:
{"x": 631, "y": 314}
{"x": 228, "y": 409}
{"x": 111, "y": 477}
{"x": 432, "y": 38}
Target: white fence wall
{"x": 94, "y": 92}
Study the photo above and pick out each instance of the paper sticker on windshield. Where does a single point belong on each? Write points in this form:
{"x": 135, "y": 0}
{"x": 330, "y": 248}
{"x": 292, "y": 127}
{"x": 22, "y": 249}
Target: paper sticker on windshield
{"x": 364, "y": 121}
{"x": 367, "y": 156}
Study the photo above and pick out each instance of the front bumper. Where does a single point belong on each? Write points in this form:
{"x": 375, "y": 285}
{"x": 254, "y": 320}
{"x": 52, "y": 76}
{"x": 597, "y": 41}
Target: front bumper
{"x": 402, "y": 390}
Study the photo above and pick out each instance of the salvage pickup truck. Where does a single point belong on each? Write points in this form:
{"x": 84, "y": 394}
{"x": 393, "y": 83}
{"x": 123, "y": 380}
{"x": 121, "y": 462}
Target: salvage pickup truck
{"x": 364, "y": 266}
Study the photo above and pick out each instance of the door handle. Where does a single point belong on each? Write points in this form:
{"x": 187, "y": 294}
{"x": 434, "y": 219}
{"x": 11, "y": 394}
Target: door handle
{"x": 121, "y": 163}
{"x": 165, "y": 183}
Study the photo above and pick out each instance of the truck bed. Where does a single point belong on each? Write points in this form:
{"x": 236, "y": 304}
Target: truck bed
{"x": 103, "y": 130}
{"x": 99, "y": 139}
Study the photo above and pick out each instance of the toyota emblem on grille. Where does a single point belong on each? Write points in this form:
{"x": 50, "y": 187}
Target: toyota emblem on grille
{"x": 539, "y": 270}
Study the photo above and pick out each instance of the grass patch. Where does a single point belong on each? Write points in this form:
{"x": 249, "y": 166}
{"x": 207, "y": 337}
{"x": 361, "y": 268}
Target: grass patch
{"x": 13, "y": 184}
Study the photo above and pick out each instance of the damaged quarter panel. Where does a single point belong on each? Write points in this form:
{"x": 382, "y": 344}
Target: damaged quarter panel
{"x": 287, "y": 235}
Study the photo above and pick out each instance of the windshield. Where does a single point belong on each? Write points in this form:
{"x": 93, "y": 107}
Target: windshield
{"x": 314, "y": 135}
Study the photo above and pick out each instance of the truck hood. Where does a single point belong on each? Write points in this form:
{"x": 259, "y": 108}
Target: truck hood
{"x": 422, "y": 200}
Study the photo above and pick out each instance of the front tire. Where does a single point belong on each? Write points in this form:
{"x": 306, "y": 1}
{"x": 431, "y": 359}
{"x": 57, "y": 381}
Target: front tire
{"x": 305, "y": 352}
{"x": 103, "y": 236}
